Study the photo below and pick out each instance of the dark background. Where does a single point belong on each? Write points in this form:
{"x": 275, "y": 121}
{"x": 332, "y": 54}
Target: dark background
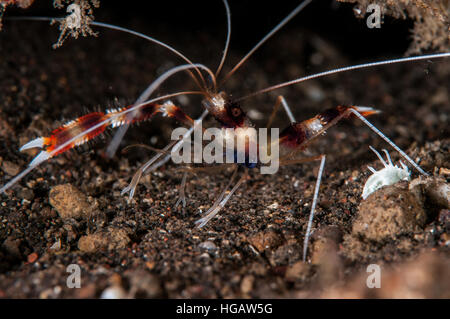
{"x": 251, "y": 20}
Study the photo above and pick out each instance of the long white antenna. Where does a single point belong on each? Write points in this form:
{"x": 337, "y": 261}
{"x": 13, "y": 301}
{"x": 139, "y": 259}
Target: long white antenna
{"x": 345, "y": 69}
{"x": 227, "y": 42}
{"x": 271, "y": 33}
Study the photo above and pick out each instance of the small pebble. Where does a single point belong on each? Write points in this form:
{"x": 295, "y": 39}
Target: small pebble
{"x": 111, "y": 239}
{"x": 297, "y": 271}
{"x": 265, "y": 240}
{"x": 69, "y": 202}
{"x": 114, "y": 292}
{"x": 207, "y": 245}
{"x": 32, "y": 257}
{"x": 10, "y": 168}
{"x": 247, "y": 284}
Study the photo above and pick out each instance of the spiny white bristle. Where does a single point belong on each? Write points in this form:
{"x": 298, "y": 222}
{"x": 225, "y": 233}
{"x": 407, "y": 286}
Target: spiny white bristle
{"x": 388, "y": 157}
{"x": 81, "y": 141}
{"x": 38, "y": 142}
{"x": 378, "y": 155}
{"x": 371, "y": 169}
{"x": 112, "y": 110}
{"x": 404, "y": 165}
{"x": 117, "y": 122}
{"x": 69, "y": 123}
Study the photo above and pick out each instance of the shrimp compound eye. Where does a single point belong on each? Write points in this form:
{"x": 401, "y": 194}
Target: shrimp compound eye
{"x": 233, "y": 116}
{"x": 236, "y": 112}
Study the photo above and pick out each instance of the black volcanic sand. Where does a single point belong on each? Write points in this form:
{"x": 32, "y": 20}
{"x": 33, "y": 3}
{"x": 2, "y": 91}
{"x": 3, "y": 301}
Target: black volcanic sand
{"x": 70, "y": 211}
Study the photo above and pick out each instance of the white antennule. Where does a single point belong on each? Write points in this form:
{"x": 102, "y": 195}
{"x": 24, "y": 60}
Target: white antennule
{"x": 389, "y": 175}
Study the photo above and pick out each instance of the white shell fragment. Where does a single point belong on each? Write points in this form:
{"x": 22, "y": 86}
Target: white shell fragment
{"x": 389, "y": 175}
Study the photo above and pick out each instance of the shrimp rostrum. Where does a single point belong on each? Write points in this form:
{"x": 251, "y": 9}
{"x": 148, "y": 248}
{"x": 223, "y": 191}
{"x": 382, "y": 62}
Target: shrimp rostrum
{"x": 229, "y": 114}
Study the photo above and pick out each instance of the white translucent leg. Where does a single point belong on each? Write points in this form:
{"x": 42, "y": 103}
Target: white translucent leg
{"x": 313, "y": 207}
{"x": 154, "y": 164}
{"x": 182, "y": 195}
{"x": 219, "y": 204}
{"x": 131, "y": 188}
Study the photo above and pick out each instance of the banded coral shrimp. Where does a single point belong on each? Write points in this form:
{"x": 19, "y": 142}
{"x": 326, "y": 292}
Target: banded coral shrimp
{"x": 291, "y": 104}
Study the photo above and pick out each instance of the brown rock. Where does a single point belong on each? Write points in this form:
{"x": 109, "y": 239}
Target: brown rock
{"x": 325, "y": 255}
{"x": 69, "y": 202}
{"x": 258, "y": 269}
{"x": 389, "y": 212}
{"x": 143, "y": 285}
{"x": 297, "y": 271}
{"x": 265, "y": 240}
{"x": 325, "y": 245}
{"x": 10, "y": 168}
{"x": 247, "y": 284}
{"x": 12, "y": 246}
{"x": 32, "y": 257}
{"x": 357, "y": 250}
{"x": 444, "y": 216}
{"x": 5, "y": 128}
{"x": 86, "y": 291}
{"x": 426, "y": 276}
{"x": 435, "y": 190}
{"x": 111, "y": 239}
{"x": 322, "y": 250}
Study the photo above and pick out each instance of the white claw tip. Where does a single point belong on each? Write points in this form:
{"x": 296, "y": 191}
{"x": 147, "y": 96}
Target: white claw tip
{"x": 124, "y": 191}
{"x": 363, "y": 109}
{"x": 41, "y": 157}
{"x": 201, "y": 222}
{"x": 37, "y": 142}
